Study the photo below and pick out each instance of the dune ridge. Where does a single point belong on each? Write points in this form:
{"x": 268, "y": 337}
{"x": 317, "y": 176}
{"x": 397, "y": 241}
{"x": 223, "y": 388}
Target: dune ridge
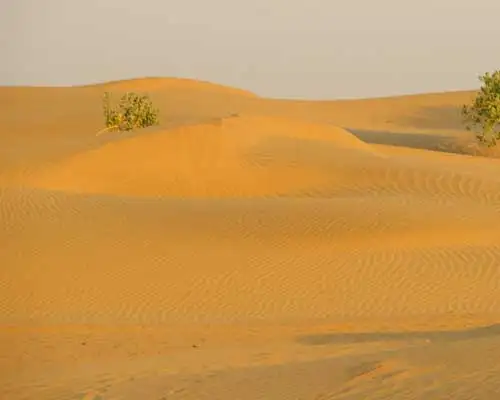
{"x": 160, "y": 83}
{"x": 246, "y": 248}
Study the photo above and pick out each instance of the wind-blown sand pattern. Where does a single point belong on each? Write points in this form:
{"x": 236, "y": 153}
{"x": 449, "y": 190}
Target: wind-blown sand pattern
{"x": 247, "y": 248}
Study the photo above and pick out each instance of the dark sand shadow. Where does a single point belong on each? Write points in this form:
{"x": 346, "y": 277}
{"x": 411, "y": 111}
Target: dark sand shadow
{"x": 434, "y": 336}
{"x": 447, "y": 118}
{"x": 461, "y": 143}
{"x": 422, "y": 141}
{"x": 439, "y": 118}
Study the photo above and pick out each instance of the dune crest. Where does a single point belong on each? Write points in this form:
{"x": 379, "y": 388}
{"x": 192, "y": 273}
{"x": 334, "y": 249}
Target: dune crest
{"x": 156, "y": 83}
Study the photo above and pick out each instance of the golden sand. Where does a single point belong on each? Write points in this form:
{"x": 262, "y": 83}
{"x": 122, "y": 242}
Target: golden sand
{"x": 247, "y": 248}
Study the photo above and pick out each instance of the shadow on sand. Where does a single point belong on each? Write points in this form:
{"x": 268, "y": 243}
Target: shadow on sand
{"x": 424, "y": 141}
{"x": 438, "y": 118}
{"x": 434, "y": 336}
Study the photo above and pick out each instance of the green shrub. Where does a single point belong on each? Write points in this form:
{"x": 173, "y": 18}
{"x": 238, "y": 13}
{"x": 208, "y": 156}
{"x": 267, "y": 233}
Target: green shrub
{"x": 484, "y": 112}
{"x": 131, "y": 112}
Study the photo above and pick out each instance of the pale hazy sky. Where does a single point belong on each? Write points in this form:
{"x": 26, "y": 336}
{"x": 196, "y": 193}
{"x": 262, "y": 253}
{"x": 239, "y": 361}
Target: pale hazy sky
{"x": 278, "y": 48}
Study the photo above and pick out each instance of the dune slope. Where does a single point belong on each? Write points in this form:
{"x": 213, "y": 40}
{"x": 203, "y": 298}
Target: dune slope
{"x": 241, "y": 156}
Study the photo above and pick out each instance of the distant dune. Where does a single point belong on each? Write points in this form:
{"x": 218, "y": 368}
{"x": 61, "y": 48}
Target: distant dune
{"x": 154, "y": 84}
{"x": 246, "y": 248}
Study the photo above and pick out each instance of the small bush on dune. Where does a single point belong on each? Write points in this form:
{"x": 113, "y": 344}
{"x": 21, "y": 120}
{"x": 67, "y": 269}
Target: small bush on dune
{"x": 132, "y": 112}
{"x": 483, "y": 114}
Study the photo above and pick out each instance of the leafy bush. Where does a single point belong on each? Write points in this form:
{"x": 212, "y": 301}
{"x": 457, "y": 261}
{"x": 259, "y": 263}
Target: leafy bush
{"x": 132, "y": 112}
{"x": 484, "y": 112}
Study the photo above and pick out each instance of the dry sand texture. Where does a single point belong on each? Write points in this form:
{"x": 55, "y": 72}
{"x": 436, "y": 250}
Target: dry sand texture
{"x": 247, "y": 248}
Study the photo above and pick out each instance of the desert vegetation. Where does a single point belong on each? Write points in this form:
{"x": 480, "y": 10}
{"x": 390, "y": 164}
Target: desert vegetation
{"x": 133, "y": 111}
{"x": 483, "y": 114}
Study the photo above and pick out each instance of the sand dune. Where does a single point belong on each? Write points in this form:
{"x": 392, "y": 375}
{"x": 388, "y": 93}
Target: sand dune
{"x": 242, "y": 156}
{"x": 246, "y": 248}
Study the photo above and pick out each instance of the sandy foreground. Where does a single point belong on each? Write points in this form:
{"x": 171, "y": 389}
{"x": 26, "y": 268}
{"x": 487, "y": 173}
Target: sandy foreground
{"x": 247, "y": 248}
